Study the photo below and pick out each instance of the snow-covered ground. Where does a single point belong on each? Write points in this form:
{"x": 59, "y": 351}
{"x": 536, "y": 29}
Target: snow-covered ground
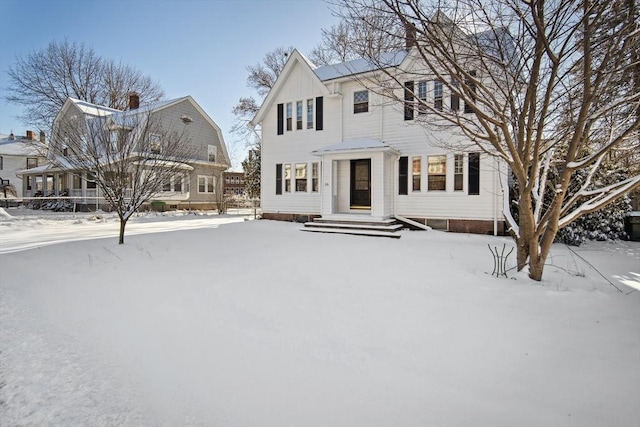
{"x": 220, "y": 321}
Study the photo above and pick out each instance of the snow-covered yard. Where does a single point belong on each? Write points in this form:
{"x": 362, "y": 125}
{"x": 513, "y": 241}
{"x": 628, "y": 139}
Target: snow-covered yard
{"x": 226, "y": 322}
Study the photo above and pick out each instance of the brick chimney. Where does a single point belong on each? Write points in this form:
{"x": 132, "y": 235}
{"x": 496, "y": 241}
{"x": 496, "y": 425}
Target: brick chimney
{"x": 410, "y": 35}
{"x": 30, "y": 135}
{"x": 134, "y": 101}
{"x": 42, "y": 138}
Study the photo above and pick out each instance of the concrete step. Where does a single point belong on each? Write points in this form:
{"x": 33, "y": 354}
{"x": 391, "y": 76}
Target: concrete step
{"x": 355, "y": 225}
{"x": 353, "y": 231}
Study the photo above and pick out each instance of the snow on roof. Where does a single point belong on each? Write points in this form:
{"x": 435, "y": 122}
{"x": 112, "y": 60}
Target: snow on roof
{"x": 355, "y": 144}
{"x": 361, "y": 65}
{"x": 93, "y": 109}
{"x": 20, "y": 146}
{"x": 126, "y": 117}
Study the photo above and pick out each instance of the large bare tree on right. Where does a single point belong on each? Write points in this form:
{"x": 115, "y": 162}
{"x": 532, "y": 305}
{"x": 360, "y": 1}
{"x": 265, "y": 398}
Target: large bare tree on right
{"x": 550, "y": 87}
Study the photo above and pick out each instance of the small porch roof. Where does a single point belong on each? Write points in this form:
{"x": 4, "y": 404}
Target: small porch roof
{"x": 357, "y": 145}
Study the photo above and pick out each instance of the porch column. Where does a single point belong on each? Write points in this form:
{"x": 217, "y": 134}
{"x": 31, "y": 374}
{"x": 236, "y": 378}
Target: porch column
{"x": 327, "y": 189}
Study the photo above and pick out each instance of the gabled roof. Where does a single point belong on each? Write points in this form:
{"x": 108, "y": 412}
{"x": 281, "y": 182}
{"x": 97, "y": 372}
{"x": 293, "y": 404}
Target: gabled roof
{"x": 294, "y": 58}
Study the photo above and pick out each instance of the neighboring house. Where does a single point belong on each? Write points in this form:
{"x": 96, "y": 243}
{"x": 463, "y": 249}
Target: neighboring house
{"x": 193, "y": 188}
{"x": 18, "y": 153}
{"x": 234, "y": 184}
{"x": 331, "y": 148}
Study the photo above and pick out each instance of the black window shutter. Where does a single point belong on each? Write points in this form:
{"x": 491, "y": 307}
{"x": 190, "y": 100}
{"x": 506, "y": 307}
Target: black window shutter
{"x": 408, "y": 101}
{"x": 280, "y": 119}
{"x": 279, "y": 177}
{"x": 474, "y": 173}
{"x": 319, "y": 113}
{"x": 403, "y": 176}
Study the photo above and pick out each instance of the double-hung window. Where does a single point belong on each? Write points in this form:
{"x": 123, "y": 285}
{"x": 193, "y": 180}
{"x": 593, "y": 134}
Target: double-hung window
{"x": 212, "y": 150}
{"x": 361, "y": 101}
{"x": 422, "y": 97}
{"x": 437, "y": 95}
{"x": 206, "y": 184}
{"x": 289, "y": 116}
{"x": 314, "y": 176}
{"x": 299, "y": 115}
{"x": 309, "y": 113}
{"x": 287, "y": 178}
{"x": 415, "y": 174}
{"x": 301, "y": 177}
{"x": 458, "y": 172}
{"x": 437, "y": 169}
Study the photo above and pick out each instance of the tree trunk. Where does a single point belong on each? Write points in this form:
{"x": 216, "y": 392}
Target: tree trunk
{"x": 123, "y": 224}
{"x": 526, "y": 226}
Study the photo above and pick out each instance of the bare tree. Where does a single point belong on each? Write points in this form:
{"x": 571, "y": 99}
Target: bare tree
{"x": 536, "y": 84}
{"x": 130, "y": 156}
{"x": 43, "y": 80}
{"x": 349, "y": 39}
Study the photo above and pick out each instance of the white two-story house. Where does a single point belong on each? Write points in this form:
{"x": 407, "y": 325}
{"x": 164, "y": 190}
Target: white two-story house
{"x": 333, "y": 148}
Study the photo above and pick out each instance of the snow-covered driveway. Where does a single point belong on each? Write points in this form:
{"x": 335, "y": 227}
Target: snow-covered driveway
{"x": 29, "y": 229}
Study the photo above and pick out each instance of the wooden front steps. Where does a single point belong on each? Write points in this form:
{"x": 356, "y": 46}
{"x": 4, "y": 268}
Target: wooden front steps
{"x": 358, "y": 226}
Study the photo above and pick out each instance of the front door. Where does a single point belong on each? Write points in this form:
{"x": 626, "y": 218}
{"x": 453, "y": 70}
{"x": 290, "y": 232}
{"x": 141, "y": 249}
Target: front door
{"x": 361, "y": 184}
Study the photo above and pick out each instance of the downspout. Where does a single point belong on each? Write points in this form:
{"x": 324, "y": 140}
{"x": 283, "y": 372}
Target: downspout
{"x": 495, "y": 196}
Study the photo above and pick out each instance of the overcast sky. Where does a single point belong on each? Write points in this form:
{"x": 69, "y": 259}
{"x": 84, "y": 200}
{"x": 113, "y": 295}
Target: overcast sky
{"x": 190, "y": 47}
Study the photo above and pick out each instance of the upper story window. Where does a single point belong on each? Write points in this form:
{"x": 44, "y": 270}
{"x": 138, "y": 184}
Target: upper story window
{"x": 32, "y": 162}
{"x": 289, "y": 116}
{"x": 212, "y": 151}
{"x": 361, "y": 101}
{"x": 422, "y": 97}
{"x": 155, "y": 143}
{"x": 309, "y": 113}
{"x": 1, "y": 163}
{"x": 299, "y": 115}
{"x": 437, "y": 95}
